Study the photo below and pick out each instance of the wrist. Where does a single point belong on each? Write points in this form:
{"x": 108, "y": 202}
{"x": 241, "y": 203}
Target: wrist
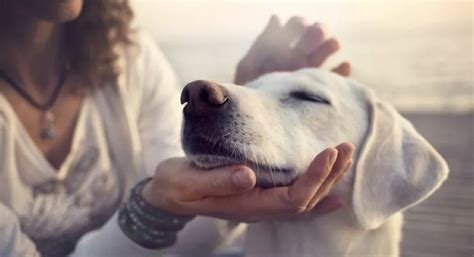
{"x": 155, "y": 198}
{"x": 147, "y": 225}
{"x": 148, "y": 194}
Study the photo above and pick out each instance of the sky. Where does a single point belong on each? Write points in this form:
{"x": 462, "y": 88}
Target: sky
{"x": 402, "y": 45}
{"x": 238, "y": 18}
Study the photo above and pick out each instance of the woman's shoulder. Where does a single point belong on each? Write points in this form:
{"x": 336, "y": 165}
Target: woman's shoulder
{"x": 145, "y": 75}
{"x": 143, "y": 67}
{"x": 143, "y": 54}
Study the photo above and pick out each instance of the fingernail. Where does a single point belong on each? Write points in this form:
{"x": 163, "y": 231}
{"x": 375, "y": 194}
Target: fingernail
{"x": 348, "y": 165}
{"x": 333, "y": 157}
{"x": 242, "y": 178}
{"x": 351, "y": 146}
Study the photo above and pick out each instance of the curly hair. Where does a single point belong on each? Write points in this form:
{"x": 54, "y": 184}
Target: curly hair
{"x": 93, "y": 38}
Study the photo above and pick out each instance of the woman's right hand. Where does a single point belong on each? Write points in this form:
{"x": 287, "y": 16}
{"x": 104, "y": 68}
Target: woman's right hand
{"x": 230, "y": 192}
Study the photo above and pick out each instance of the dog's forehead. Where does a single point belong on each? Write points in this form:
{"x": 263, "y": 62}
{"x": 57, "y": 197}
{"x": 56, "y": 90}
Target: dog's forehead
{"x": 312, "y": 80}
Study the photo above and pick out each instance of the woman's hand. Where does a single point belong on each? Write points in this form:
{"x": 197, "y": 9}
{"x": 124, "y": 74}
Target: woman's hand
{"x": 286, "y": 48}
{"x": 230, "y": 192}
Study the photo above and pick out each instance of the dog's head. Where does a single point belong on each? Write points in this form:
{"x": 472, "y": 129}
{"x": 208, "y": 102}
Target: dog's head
{"x": 278, "y": 123}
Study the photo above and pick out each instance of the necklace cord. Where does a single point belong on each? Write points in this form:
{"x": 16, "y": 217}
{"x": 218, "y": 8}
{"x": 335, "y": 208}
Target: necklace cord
{"x": 23, "y": 93}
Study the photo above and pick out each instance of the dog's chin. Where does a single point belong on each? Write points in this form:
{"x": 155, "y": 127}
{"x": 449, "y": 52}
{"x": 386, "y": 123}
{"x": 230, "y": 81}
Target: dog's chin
{"x": 268, "y": 176}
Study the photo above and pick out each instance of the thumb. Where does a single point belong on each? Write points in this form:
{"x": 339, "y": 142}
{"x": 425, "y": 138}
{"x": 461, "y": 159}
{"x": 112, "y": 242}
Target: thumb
{"x": 224, "y": 181}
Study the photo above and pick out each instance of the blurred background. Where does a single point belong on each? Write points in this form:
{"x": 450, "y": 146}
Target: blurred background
{"x": 416, "y": 54}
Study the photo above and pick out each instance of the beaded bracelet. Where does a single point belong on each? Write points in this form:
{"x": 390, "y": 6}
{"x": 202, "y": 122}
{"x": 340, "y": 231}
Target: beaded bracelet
{"x": 146, "y": 225}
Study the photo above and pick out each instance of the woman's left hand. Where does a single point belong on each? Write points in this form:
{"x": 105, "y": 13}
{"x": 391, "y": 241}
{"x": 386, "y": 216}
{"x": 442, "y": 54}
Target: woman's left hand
{"x": 179, "y": 187}
{"x": 286, "y": 48}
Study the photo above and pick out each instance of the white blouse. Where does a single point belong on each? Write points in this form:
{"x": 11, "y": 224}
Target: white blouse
{"x": 122, "y": 133}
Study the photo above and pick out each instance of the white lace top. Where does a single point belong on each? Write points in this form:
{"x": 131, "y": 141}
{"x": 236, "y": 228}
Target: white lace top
{"x": 122, "y": 133}
{"x": 59, "y": 206}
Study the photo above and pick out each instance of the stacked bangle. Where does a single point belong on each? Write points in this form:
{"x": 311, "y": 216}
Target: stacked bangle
{"x": 146, "y": 225}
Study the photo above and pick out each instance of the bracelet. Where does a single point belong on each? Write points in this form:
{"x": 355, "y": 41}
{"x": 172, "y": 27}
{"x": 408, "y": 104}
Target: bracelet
{"x": 146, "y": 225}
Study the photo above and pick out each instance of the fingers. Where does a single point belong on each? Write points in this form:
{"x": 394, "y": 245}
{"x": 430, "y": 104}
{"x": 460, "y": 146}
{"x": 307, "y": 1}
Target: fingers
{"x": 280, "y": 40}
{"x": 287, "y": 47}
{"x": 311, "y": 40}
{"x": 292, "y": 30}
{"x": 270, "y": 36}
{"x": 309, "y": 183}
{"x": 326, "y": 49}
{"x": 271, "y": 202}
{"x": 219, "y": 182}
{"x": 283, "y": 36}
{"x": 256, "y": 203}
{"x": 346, "y": 150}
{"x": 282, "y": 201}
{"x": 344, "y": 69}
{"x": 182, "y": 181}
{"x": 241, "y": 206}
{"x": 252, "y": 64}
{"x": 260, "y": 46}
{"x": 272, "y": 25}
{"x": 341, "y": 165}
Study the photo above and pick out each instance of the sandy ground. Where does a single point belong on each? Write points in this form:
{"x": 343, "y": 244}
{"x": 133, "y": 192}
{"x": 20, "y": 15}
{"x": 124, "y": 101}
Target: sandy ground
{"x": 443, "y": 225}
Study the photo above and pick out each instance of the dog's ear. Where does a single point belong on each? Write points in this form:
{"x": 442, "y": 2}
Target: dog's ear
{"x": 396, "y": 167}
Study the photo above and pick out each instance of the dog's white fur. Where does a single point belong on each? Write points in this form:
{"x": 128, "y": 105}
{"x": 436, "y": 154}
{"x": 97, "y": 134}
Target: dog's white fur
{"x": 394, "y": 167}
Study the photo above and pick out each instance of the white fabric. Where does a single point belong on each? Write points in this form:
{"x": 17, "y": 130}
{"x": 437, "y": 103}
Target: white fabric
{"x": 56, "y": 207}
{"x": 129, "y": 130}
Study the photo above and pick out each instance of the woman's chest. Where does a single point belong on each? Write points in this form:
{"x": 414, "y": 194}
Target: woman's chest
{"x": 55, "y": 206}
{"x": 88, "y": 168}
{"x": 50, "y": 130}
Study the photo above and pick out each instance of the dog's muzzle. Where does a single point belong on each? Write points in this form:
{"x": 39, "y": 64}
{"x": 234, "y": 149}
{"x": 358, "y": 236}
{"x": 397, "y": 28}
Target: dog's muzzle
{"x": 215, "y": 133}
{"x": 209, "y": 119}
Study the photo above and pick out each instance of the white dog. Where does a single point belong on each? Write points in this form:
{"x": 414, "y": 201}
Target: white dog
{"x": 278, "y": 123}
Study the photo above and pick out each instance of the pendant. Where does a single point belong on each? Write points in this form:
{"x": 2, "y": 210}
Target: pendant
{"x": 48, "y": 131}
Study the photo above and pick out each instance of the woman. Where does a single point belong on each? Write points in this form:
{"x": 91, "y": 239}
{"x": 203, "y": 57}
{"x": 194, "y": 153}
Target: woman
{"x": 88, "y": 108}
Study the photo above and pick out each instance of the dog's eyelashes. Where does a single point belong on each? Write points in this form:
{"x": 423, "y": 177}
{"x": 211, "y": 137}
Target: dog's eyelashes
{"x": 307, "y": 96}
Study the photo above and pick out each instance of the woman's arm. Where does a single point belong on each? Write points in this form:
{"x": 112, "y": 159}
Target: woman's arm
{"x": 152, "y": 95}
{"x": 13, "y": 242}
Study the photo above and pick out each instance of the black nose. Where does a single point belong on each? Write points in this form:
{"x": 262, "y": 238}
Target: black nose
{"x": 202, "y": 97}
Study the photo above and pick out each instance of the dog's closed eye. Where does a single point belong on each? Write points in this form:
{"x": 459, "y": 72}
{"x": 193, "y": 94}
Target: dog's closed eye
{"x": 308, "y": 96}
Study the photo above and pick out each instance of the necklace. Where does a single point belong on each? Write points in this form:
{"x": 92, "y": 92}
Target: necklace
{"x": 48, "y": 130}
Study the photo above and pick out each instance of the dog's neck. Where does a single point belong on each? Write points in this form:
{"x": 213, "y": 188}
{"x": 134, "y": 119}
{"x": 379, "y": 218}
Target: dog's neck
{"x": 298, "y": 237}
{"x": 301, "y": 235}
